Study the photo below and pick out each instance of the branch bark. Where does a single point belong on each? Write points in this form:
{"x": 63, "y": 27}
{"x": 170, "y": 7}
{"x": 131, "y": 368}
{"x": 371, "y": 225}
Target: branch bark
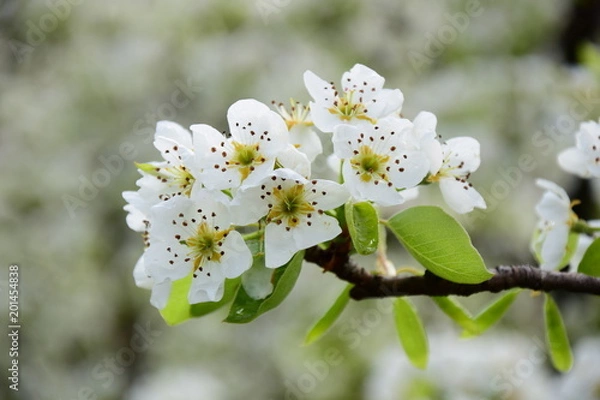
{"x": 336, "y": 260}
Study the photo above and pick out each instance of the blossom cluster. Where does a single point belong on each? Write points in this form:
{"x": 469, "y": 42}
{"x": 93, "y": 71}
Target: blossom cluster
{"x": 212, "y": 191}
{"x": 561, "y": 237}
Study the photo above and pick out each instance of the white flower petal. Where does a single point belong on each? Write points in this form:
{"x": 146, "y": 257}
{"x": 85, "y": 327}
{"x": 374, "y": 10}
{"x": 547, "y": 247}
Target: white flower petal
{"x": 555, "y": 204}
{"x": 160, "y": 294}
{"x": 433, "y": 150}
{"x": 573, "y": 161}
{"x": 247, "y": 206}
{"x": 552, "y": 208}
{"x": 261, "y": 171}
{"x": 208, "y": 285}
{"x": 412, "y": 168}
{"x": 322, "y": 118}
{"x": 554, "y": 247}
{"x": 425, "y": 124}
{"x": 251, "y": 121}
{"x": 295, "y": 160}
{"x": 410, "y": 194}
{"x": 322, "y": 229}
{"x": 173, "y": 141}
{"x": 460, "y": 196}
{"x": 334, "y": 163}
{"x": 237, "y": 258}
{"x": 140, "y": 275}
{"x": 387, "y": 101}
{"x": 344, "y": 141}
{"x": 257, "y": 282}
{"x": 280, "y": 246}
{"x": 462, "y": 155}
{"x": 583, "y": 242}
{"x": 175, "y": 132}
{"x": 136, "y": 218}
{"x": 306, "y": 140}
{"x": 320, "y": 90}
{"x": 361, "y": 77}
{"x": 327, "y": 194}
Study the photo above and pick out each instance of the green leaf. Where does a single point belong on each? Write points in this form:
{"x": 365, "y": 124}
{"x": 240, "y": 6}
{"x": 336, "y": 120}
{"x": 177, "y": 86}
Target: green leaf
{"x": 327, "y": 320}
{"x": 556, "y": 337}
{"x": 440, "y": 244}
{"x": 179, "y": 309}
{"x": 456, "y": 312}
{"x": 590, "y": 263}
{"x": 245, "y": 309}
{"x": 363, "y": 225}
{"x": 411, "y": 332}
{"x": 492, "y": 314}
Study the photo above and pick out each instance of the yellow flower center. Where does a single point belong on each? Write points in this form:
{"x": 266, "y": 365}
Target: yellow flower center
{"x": 347, "y": 109}
{"x": 370, "y": 164}
{"x": 246, "y": 157}
{"x": 290, "y": 205}
{"x": 206, "y": 244}
{"x": 298, "y": 114}
{"x": 178, "y": 176}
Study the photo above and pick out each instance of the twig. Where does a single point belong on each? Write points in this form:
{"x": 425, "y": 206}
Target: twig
{"x": 367, "y": 285}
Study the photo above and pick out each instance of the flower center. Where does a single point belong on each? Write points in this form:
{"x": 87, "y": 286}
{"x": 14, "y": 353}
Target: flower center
{"x": 206, "y": 244}
{"x": 347, "y": 109}
{"x": 290, "y": 205}
{"x": 246, "y": 157}
{"x": 178, "y": 176}
{"x": 298, "y": 114}
{"x": 370, "y": 164}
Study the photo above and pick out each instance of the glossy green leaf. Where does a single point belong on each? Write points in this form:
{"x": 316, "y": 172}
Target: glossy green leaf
{"x": 492, "y": 314}
{"x": 245, "y": 309}
{"x": 179, "y": 309}
{"x": 411, "y": 332}
{"x": 440, "y": 244}
{"x": 327, "y": 320}
{"x": 363, "y": 225}
{"x": 556, "y": 337}
{"x": 590, "y": 263}
{"x": 456, "y": 312}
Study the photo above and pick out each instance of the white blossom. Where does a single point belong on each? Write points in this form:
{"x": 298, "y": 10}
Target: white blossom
{"x": 194, "y": 236}
{"x": 294, "y": 210}
{"x": 584, "y": 158}
{"x": 380, "y": 160}
{"x": 300, "y": 128}
{"x": 459, "y": 158}
{"x": 258, "y": 135}
{"x": 176, "y": 175}
{"x": 556, "y": 218}
{"x": 361, "y": 98}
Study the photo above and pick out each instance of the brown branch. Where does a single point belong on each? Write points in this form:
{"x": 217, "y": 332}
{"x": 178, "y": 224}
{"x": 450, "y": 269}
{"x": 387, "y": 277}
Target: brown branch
{"x": 367, "y": 285}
